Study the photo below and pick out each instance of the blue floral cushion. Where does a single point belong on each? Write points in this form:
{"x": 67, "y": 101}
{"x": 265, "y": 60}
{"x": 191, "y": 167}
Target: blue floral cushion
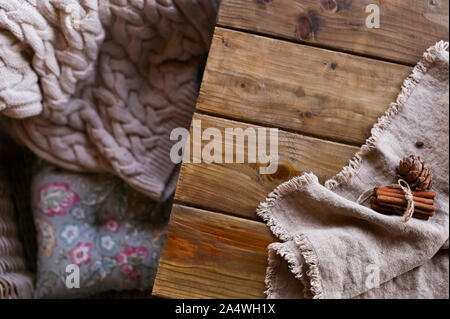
{"x": 98, "y": 226}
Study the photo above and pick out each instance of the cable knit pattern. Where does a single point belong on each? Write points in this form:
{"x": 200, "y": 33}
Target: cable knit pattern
{"x": 20, "y": 95}
{"x": 116, "y": 77}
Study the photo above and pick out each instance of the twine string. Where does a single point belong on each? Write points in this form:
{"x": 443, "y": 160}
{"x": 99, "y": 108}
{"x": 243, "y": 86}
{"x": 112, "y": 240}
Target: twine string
{"x": 409, "y": 198}
{"x": 364, "y": 196}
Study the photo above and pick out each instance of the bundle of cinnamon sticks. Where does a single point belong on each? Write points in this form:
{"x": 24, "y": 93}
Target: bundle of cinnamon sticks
{"x": 391, "y": 201}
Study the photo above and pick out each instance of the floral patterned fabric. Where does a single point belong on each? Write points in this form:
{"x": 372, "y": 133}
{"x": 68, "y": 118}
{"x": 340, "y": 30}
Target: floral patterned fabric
{"x": 96, "y": 222}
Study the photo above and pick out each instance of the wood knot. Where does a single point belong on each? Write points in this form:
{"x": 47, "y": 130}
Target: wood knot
{"x": 262, "y": 3}
{"x": 285, "y": 171}
{"x": 304, "y": 26}
{"x": 307, "y": 114}
{"x": 226, "y": 43}
{"x": 329, "y": 5}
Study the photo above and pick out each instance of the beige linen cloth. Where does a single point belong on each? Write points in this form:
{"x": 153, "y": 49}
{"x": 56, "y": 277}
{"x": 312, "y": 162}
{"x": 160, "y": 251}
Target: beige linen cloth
{"x": 109, "y": 79}
{"x": 331, "y": 247}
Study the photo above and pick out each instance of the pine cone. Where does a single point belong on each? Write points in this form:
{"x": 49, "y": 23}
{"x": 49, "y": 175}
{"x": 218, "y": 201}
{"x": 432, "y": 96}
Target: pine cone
{"x": 415, "y": 171}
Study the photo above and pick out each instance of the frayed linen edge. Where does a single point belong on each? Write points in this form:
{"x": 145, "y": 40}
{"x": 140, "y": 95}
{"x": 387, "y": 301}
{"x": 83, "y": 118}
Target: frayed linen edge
{"x": 306, "y": 249}
{"x": 309, "y": 276}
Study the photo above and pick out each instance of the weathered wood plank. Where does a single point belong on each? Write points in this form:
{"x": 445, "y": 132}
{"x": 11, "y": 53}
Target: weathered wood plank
{"x": 407, "y": 27}
{"x": 209, "y": 255}
{"x": 239, "y": 188}
{"x": 310, "y": 90}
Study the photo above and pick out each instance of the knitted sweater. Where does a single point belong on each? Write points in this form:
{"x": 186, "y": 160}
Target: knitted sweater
{"x": 112, "y": 77}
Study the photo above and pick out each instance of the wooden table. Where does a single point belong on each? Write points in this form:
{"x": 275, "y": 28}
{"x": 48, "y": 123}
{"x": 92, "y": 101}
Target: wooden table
{"x": 322, "y": 89}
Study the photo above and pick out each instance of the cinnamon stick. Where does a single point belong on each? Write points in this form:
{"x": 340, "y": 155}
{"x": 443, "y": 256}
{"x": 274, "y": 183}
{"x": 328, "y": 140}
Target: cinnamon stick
{"x": 399, "y": 208}
{"x": 390, "y": 211}
{"x": 422, "y": 194}
{"x": 402, "y": 202}
{"x": 402, "y": 209}
{"x": 415, "y": 198}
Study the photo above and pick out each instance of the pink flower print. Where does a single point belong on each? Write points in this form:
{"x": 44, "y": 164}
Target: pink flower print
{"x": 112, "y": 225}
{"x": 131, "y": 260}
{"x": 81, "y": 254}
{"x": 54, "y": 198}
{"x": 128, "y": 270}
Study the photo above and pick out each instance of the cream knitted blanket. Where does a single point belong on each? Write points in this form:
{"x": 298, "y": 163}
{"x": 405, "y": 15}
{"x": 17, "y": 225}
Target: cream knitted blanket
{"x": 331, "y": 247}
{"x": 111, "y": 77}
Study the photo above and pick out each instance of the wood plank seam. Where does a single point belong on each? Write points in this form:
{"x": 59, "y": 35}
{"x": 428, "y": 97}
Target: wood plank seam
{"x": 284, "y": 129}
{"x": 315, "y": 45}
{"x": 218, "y": 211}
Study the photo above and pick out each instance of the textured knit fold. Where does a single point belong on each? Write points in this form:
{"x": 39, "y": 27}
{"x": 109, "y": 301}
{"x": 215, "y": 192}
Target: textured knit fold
{"x": 115, "y": 77}
{"x": 332, "y": 247}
